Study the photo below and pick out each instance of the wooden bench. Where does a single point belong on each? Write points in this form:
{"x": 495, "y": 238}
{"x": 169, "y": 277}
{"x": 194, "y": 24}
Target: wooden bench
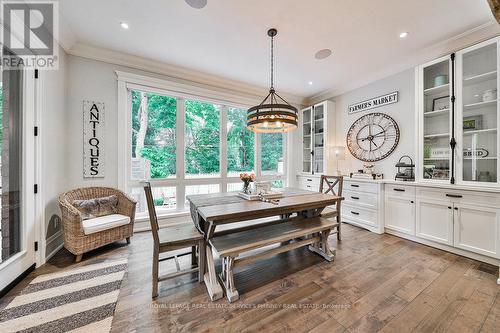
{"x": 229, "y": 247}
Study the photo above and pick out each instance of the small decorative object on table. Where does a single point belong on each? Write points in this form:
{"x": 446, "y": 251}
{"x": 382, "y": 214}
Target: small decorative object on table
{"x": 262, "y": 187}
{"x": 405, "y": 169}
{"x": 247, "y": 178}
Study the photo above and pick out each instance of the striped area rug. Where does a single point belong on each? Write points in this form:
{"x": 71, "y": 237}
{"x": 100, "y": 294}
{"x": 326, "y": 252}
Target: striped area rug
{"x": 77, "y": 300}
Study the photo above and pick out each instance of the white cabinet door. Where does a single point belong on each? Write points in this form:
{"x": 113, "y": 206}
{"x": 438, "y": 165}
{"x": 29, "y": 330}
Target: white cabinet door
{"x": 400, "y": 214}
{"x": 435, "y": 220}
{"x": 476, "y": 229}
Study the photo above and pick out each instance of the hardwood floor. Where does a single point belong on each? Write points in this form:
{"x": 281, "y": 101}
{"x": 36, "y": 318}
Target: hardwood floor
{"x": 376, "y": 283}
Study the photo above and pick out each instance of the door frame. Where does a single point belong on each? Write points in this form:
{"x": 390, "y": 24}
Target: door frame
{"x": 24, "y": 260}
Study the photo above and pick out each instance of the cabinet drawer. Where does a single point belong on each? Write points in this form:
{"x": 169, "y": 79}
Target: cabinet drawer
{"x": 461, "y": 196}
{"x": 399, "y": 190}
{"x": 361, "y": 215}
{"x": 364, "y": 199}
{"x": 361, "y": 186}
{"x": 309, "y": 183}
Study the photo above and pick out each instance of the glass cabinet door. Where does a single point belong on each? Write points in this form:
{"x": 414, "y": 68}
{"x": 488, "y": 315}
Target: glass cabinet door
{"x": 479, "y": 114}
{"x": 306, "y": 139}
{"x": 436, "y": 121}
{"x": 319, "y": 138}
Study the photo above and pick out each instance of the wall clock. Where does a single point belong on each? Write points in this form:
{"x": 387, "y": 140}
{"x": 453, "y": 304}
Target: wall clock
{"x": 373, "y": 137}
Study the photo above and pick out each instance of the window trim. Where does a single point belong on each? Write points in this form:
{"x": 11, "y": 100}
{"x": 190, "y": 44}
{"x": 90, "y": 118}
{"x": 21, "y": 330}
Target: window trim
{"x": 182, "y": 91}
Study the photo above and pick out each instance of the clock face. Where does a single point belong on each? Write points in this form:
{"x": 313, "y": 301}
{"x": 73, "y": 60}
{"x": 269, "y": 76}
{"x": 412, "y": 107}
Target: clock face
{"x": 373, "y": 137}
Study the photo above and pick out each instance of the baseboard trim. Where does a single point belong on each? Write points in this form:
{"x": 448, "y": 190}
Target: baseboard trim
{"x": 14, "y": 283}
{"x": 51, "y": 254}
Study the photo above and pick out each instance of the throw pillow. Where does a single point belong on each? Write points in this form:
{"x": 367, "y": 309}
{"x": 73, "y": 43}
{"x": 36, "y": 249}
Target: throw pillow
{"x": 88, "y": 208}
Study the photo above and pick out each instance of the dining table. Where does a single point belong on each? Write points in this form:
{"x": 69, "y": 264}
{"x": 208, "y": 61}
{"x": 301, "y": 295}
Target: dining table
{"x": 211, "y": 211}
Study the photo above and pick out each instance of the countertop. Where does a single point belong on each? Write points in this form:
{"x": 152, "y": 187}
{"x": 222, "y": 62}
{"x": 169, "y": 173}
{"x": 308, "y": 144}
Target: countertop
{"x": 440, "y": 185}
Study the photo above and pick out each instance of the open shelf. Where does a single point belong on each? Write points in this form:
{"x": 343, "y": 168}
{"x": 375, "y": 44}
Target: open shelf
{"x": 436, "y": 135}
{"x": 488, "y": 158}
{"x": 437, "y": 90}
{"x": 479, "y": 105}
{"x": 483, "y": 131}
{"x": 480, "y": 78}
{"x": 436, "y": 113}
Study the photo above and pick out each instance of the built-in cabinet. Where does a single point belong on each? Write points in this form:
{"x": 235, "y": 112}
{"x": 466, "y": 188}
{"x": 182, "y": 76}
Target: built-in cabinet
{"x": 318, "y": 133}
{"x": 458, "y": 117}
{"x": 462, "y": 219}
{"x": 363, "y": 204}
{"x": 400, "y": 208}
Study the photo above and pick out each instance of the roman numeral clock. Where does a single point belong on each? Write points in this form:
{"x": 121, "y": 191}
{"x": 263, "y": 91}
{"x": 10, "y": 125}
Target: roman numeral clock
{"x": 373, "y": 137}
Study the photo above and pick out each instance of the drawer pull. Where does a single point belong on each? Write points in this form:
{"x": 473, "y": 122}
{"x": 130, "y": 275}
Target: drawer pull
{"x": 354, "y": 185}
{"x": 454, "y": 195}
{"x": 355, "y": 198}
{"x": 355, "y": 213}
{"x": 309, "y": 180}
{"x": 399, "y": 190}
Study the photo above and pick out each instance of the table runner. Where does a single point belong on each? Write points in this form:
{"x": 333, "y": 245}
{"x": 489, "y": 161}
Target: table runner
{"x": 202, "y": 200}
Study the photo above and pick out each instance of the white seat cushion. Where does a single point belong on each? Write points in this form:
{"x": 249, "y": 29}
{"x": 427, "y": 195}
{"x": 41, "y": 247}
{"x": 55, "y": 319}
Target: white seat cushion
{"x": 106, "y": 222}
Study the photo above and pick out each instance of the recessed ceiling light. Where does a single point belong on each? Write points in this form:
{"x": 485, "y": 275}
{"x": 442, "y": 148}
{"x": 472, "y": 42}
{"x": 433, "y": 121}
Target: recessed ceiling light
{"x": 198, "y": 4}
{"x": 310, "y": 83}
{"x": 322, "y": 54}
{"x": 124, "y": 25}
{"x": 404, "y": 34}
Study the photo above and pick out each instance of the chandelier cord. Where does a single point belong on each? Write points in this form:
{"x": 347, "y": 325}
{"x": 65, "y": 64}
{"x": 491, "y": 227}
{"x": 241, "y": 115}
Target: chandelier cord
{"x": 272, "y": 62}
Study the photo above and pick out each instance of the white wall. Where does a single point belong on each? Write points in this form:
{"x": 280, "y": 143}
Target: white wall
{"x": 95, "y": 81}
{"x": 52, "y": 123}
{"x": 403, "y": 113}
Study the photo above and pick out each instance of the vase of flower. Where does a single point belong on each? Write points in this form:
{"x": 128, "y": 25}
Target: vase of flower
{"x": 247, "y": 178}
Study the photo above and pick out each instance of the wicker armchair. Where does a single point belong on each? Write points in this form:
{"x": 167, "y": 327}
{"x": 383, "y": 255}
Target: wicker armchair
{"x": 75, "y": 241}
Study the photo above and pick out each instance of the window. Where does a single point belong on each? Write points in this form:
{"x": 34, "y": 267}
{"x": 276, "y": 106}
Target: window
{"x": 186, "y": 146}
{"x": 272, "y": 153}
{"x": 153, "y": 136}
{"x": 202, "y": 139}
{"x": 240, "y": 143}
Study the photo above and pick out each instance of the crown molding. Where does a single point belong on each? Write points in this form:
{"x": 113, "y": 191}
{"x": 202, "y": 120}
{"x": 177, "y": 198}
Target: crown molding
{"x": 176, "y": 73}
{"x": 470, "y": 37}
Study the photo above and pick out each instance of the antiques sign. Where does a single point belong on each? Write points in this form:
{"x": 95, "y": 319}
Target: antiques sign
{"x": 93, "y": 139}
{"x": 374, "y": 103}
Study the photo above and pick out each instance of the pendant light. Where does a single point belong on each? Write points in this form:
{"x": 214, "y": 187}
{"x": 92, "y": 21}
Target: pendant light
{"x": 273, "y": 114}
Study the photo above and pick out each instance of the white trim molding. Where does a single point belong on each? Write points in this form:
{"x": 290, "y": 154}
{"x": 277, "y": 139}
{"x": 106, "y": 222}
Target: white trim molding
{"x": 178, "y": 74}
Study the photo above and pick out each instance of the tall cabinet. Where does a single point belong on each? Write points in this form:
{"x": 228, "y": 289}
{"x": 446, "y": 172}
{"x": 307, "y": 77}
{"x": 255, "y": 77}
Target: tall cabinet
{"x": 458, "y": 117}
{"x": 318, "y": 133}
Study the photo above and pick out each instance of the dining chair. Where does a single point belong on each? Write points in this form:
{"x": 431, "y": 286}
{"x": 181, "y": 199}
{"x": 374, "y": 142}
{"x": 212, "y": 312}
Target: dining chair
{"x": 174, "y": 238}
{"x": 332, "y": 185}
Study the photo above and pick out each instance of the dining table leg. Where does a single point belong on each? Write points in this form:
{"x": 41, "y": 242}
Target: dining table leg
{"x": 210, "y": 278}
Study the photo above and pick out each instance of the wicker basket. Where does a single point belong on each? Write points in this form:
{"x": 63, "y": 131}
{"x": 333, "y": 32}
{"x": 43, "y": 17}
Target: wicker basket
{"x": 75, "y": 241}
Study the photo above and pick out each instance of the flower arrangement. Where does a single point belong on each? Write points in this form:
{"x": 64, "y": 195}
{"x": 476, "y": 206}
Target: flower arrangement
{"x": 247, "y": 178}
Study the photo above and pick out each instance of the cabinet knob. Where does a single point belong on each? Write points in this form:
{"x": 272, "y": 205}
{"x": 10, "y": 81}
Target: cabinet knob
{"x": 449, "y": 207}
{"x": 412, "y": 201}
{"x": 456, "y": 208}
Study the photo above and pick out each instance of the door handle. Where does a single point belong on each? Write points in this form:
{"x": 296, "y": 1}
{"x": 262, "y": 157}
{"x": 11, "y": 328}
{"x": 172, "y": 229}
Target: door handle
{"x": 355, "y": 213}
{"x": 399, "y": 190}
{"x": 454, "y": 195}
{"x": 355, "y": 198}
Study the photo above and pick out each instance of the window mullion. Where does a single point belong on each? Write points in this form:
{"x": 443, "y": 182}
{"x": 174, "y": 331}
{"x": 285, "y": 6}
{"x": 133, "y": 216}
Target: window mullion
{"x": 223, "y": 148}
{"x": 180, "y": 129}
{"x": 258, "y": 171}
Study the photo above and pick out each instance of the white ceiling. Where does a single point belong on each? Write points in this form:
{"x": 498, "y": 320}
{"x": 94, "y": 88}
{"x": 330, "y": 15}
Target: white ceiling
{"x": 228, "y": 38}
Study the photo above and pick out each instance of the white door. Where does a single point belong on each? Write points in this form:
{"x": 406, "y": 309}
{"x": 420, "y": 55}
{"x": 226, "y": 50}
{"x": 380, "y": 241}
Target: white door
{"x": 435, "y": 220}
{"x": 17, "y": 252}
{"x": 476, "y": 229}
{"x": 400, "y": 214}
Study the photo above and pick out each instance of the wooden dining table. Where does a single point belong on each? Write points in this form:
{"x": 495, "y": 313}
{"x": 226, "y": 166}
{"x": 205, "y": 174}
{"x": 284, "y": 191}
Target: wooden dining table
{"x": 210, "y": 211}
